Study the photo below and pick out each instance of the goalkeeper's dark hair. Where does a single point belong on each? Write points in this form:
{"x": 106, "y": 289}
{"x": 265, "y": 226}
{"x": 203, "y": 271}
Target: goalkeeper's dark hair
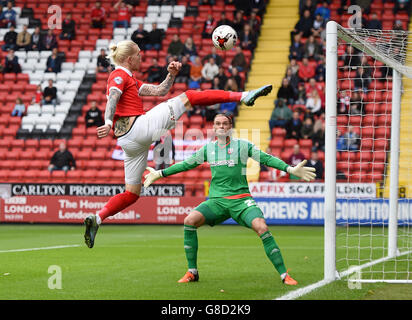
{"x": 227, "y": 115}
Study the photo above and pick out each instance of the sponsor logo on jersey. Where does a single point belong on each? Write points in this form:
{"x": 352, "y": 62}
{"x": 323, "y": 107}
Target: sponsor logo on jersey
{"x": 118, "y": 80}
{"x": 229, "y": 163}
{"x": 230, "y": 150}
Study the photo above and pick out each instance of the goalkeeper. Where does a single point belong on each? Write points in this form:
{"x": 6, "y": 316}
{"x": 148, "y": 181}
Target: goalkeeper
{"x": 229, "y": 195}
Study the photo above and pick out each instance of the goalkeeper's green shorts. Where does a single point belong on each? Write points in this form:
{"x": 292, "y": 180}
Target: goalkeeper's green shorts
{"x": 218, "y": 210}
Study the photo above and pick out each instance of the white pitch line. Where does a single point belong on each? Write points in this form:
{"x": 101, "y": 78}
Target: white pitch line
{"x": 305, "y": 290}
{"x": 42, "y": 248}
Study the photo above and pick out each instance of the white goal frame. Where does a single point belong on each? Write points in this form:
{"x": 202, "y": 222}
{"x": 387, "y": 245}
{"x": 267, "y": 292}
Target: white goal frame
{"x": 333, "y": 31}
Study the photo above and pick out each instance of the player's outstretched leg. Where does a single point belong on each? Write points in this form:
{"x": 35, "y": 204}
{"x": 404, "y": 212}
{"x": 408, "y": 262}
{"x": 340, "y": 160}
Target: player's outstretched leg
{"x": 116, "y": 204}
{"x": 211, "y": 97}
{"x": 91, "y": 230}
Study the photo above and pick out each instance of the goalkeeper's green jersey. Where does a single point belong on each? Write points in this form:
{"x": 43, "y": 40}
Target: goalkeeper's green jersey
{"x": 228, "y": 165}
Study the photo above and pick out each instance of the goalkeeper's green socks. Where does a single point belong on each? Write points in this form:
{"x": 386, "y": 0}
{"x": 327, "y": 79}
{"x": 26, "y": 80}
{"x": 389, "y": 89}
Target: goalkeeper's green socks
{"x": 191, "y": 245}
{"x": 273, "y": 252}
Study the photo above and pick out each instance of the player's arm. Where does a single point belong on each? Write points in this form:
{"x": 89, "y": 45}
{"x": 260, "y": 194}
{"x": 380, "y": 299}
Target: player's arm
{"x": 163, "y": 88}
{"x": 192, "y": 162}
{"x": 113, "y": 99}
{"x": 305, "y": 173}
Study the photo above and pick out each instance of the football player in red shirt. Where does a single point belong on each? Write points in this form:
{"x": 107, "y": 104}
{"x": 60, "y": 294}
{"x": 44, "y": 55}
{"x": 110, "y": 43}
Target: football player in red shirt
{"x": 136, "y": 130}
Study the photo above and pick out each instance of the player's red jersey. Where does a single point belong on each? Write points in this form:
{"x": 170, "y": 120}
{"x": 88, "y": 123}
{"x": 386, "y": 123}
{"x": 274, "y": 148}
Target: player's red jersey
{"x": 130, "y": 103}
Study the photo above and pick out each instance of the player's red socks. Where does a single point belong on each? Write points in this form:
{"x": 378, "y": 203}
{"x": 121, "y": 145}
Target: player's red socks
{"x": 118, "y": 203}
{"x": 210, "y": 97}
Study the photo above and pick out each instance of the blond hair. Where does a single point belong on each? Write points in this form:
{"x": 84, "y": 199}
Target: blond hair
{"x": 120, "y": 51}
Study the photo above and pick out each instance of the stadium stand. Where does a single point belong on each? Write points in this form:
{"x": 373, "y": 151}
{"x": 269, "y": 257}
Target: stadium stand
{"x": 370, "y": 154}
{"x": 27, "y": 143}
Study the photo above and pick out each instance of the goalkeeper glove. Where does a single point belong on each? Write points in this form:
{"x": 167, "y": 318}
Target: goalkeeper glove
{"x": 305, "y": 173}
{"x": 152, "y": 176}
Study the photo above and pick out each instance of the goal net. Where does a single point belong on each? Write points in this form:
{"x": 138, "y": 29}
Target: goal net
{"x": 368, "y": 175}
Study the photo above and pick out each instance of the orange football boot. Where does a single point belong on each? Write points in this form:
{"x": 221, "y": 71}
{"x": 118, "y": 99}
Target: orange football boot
{"x": 289, "y": 280}
{"x": 189, "y": 277}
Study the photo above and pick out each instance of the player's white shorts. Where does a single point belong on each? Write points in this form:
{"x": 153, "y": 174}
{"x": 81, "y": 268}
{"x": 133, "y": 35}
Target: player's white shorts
{"x": 146, "y": 129}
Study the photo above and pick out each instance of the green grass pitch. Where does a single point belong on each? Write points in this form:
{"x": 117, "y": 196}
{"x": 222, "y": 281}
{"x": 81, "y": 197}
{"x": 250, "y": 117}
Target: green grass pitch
{"x": 144, "y": 262}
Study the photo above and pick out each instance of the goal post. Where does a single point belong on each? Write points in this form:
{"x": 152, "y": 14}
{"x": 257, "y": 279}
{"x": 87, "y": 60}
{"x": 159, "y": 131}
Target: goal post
{"x": 363, "y": 93}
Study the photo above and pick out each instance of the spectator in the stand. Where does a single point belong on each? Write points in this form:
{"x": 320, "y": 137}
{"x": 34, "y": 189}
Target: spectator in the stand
{"x": 374, "y": 22}
{"x": 239, "y": 60}
{"x": 49, "y": 41}
{"x": 293, "y": 80}
{"x": 98, "y": 16}
{"x": 139, "y": 36}
{"x": 62, "y": 159}
{"x": 209, "y": 70}
{"x": 50, "y": 94}
{"x": 237, "y": 78}
{"x": 208, "y": 27}
{"x": 155, "y": 72}
{"x": 314, "y": 162}
{"x": 164, "y": 152}
{"x": 286, "y": 92}
{"x": 340, "y": 142}
{"x": 19, "y": 108}
{"x": 281, "y": 114}
{"x": 318, "y": 139}
{"x": 293, "y": 126}
{"x": 93, "y": 117}
{"x": 402, "y": 5}
{"x": 11, "y": 64}
{"x": 362, "y": 79}
{"x": 306, "y": 70}
{"x": 295, "y": 159}
{"x": 258, "y": 6}
{"x": 351, "y": 58}
{"x": 54, "y": 62}
{"x": 184, "y": 74}
{"x": 213, "y": 54}
{"x": 10, "y": 40}
{"x": 8, "y": 16}
{"x": 318, "y": 26}
{"x": 296, "y": 48}
{"x": 176, "y": 47}
{"x": 207, "y": 2}
{"x": 307, "y": 5}
{"x": 314, "y": 103}
{"x": 254, "y": 21}
{"x": 68, "y": 28}
{"x": 190, "y": 49}
{"x": 397, "y": 25}
{"x": 195, "y": 73}
{"x": 123, "y": 14}
{"x": 247, "y": 39}
{"x": 38, "y": 96}
{"x": 230, "y": 107}
{"x": 294, "y": 66}
{"x": 351, "y": 139}
{"x": 355, "y": 104}
{"x": 306, "y": 132}
{"x": 312, "y": 49}
{"x": 320, "y": 71}
{"x": 238, "y": 22}
{"x": 222, "y": 77}
{"x": 36, "y": 41}
{"x": 304, "y": 25}
{"x": 301, "y": 94}
{"x": 23, "y": 39}
{"x": 323, "y": 10}
{"x": 344, "y": 103}
{"x": 154, "y": 38}
{"x": 223, "y": 20}
{"x": 103, "y": 63}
